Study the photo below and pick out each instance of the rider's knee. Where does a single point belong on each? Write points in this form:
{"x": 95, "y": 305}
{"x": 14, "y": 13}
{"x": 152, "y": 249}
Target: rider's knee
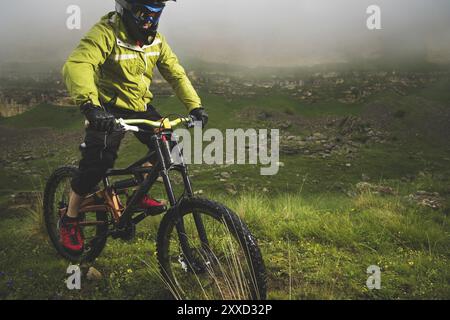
{"x": 92, "y": 169}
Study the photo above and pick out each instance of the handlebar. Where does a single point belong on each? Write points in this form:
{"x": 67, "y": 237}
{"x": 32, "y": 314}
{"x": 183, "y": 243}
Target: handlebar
{"x": 131, "y": 124}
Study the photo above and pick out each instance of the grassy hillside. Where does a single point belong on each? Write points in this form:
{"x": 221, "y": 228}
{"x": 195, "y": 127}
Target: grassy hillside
{"x": 65, "y": 118}
{"x": 321, "y": 221}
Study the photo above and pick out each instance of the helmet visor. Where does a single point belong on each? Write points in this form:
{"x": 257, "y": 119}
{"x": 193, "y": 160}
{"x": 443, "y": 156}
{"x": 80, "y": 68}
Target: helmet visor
{"x": 147, "y": 14}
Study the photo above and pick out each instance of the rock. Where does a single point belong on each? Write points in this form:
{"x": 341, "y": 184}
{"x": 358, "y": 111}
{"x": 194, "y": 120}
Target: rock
{"x": 368, "y": 187}
{"x": 264, "y": 115}
{"x": 427, "y": 199}
{"x": 93, "y": 274}
{"x": 285, "y": 125}
{"x": 431, "y": 203}
{"x": 319, "y": 136}
{"x": 385, "y": 190}
{"x": 225, "y": 175}
{"x": 426, "y": 194}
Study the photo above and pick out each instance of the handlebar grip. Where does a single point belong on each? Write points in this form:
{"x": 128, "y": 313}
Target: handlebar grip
{"x": 87, "y": 123}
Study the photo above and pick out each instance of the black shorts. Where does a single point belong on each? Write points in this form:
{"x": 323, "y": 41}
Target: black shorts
{"x": 99, "y": 150}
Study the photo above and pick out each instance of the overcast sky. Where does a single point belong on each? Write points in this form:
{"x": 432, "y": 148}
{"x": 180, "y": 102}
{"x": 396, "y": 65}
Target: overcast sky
{"x": 248, "y": 32}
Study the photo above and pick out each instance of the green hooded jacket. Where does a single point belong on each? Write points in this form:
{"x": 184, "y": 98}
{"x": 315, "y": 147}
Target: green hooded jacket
{"x": 105, "y": 66}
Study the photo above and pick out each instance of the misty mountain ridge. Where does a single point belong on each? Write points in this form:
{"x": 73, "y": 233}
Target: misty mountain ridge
{"x": 400, "y": 63}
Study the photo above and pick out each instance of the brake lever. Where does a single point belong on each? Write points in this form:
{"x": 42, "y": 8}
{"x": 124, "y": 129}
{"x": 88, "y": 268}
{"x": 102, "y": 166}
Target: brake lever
{"x": 126, "y": 127}
{"x": 190, "y": 124}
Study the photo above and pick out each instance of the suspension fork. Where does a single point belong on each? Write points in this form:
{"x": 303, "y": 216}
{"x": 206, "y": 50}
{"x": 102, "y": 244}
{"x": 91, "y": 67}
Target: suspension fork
{"x": 163, "y": 153}
{"x": 182, "y": 168}
{"x": 197, "y": 218}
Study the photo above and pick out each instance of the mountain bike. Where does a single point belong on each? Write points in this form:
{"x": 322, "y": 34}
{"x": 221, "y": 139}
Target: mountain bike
{"x": 202, "y": 246}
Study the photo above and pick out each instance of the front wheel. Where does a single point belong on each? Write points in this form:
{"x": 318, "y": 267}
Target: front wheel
{"x": 206, "y": 251}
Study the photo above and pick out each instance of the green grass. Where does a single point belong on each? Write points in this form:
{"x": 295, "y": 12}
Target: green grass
{"x": 439, "y": 92}
{"x": 44, "y": 115}
{"x": 320, "y": 246}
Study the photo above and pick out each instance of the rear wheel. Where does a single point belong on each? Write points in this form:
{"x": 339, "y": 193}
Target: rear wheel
{"x": 226, "y": 264}
{"x": 56, "y": 199}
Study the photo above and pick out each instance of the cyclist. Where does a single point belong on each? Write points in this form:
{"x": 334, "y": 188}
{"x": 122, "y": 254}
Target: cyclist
{"x": 109, "y": 75}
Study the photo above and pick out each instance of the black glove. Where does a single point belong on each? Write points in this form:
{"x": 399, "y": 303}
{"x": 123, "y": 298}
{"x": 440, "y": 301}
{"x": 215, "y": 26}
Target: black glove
{"x": 199, "y": 114}
{"x": 98, "y": 118}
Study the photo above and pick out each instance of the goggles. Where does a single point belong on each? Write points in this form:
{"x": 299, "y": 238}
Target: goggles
{"x": 147, "y": 14}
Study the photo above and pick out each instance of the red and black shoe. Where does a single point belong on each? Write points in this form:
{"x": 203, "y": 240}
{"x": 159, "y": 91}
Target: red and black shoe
{"x": 70, "y": 235}
{"x": 153, "y": 206}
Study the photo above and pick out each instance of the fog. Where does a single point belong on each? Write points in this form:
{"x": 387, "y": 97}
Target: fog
{"x": 249, "y": 32}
